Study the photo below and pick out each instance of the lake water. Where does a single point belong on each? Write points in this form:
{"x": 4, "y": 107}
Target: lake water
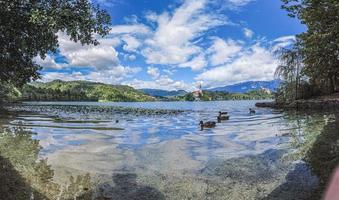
{"x": 156, "y": 150}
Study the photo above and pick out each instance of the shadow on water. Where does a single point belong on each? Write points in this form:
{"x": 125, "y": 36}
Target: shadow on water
{"x": 13, "y": 186}
{"x": 125, "y": 188}
{"x": 321, "y": 158}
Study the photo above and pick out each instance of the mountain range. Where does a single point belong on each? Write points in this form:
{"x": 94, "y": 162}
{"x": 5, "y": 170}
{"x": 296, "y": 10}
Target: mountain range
{"x": 248, "y": 86}
{"x": 242, "y": 88}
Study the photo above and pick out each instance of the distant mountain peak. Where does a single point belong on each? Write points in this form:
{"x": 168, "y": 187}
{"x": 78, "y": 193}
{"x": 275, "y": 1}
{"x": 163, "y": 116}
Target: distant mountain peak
{"x": 248, "y": 86}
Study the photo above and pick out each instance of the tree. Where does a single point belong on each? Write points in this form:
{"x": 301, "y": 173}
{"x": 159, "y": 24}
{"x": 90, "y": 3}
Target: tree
{"x": 29, "y": 28}
{"x": 319, "y": 45}
{"x": 289, "y": 71}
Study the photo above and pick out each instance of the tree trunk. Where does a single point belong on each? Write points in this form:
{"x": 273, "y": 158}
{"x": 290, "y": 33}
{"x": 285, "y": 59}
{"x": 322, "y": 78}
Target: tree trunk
{"x": 332, "y": 84}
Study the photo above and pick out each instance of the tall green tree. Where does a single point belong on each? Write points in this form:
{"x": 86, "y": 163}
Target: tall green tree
{"x": 319, "y": 45}
{"x": 29, "y": 28}
{"x": 289, "y": 71}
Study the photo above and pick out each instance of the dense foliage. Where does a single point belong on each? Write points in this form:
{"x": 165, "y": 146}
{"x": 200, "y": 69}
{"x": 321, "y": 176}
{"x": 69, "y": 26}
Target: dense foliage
{"x": 80, "y": 91}
{"x": 29, "y": 28}
{"x": 313, "y": 61}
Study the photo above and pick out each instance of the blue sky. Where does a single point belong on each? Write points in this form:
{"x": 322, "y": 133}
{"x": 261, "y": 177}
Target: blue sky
{"x": 179, "y": 44}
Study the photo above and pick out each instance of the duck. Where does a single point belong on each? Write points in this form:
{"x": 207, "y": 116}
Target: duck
{"x": 223, "y": 116}
{"x": 209, "y": 124}
{"x": 252, "y": 111}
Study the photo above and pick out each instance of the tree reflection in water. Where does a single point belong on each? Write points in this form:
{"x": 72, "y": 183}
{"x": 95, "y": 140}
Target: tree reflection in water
{"x": 24, "y": 176}
{"x": 323, "y": 157}
{"x": 316, "y": 141}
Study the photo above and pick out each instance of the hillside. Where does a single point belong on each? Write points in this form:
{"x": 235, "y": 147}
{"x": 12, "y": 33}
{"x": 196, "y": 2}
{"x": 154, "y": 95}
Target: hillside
{"x": 248, "y": 86}
{"x": 81, "y": 91}
{"x": 163, "y": 93}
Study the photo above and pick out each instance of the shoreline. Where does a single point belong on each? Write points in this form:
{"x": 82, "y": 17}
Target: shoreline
{"x": 330, "y": 102}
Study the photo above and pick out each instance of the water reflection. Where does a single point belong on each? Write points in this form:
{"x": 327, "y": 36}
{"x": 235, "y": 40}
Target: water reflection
{"x": 323, "y": 156}
{"x": 165, "y": 156}
{"x": 23, "y": 176}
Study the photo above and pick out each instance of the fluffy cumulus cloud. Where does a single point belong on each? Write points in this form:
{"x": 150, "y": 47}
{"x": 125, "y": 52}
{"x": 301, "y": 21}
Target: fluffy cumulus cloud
{"x": 173, "y": 42}
{"x": 163, "y": 82}
{"x": 48, "y": 62}
{"x": 255, "y": 63}
{"x": 223, "y": 51}
{"x": 62, "y": 76}
{"x": 131, "y": 43}
{"x": 153, "y": 72}
{"x": 101, "y": 57}
{"x": 114, "y": 75}
{"x": 196, "y": 63}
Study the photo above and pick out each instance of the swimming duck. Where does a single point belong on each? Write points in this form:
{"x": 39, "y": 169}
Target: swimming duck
{"x": 223, "y": 116}
{"x": 252, "y": 111}
{"x": 209, "y": 124}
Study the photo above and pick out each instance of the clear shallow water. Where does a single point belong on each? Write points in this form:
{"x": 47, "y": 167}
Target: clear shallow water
{"x": 246, "y": 157}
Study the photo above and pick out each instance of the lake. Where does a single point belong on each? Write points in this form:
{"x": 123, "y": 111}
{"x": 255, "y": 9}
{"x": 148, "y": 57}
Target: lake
{"x": 156, "y": 150}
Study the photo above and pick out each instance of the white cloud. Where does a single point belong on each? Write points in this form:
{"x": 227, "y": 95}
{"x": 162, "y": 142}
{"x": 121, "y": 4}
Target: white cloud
{"x": 153, "y": 72}
{"x": 130, "y": 29}
{"x": 103, "y": 56}
{"x": 151, "y": 16}
{"x": 256, "y": 63}
{"x": 237, "y": 3}
{"x": 131, "y": 43}
{"x": 163, "y": 82}
{"x": 48, "y": 62}
{"x": 248, "y": 32}
{"x": 223, "y": 51}
{"x": 173, "y": 41}
{"x": 114, "y": 75}
{"x": 197, "y": 63}
{"x": 283, "y": 41}
{"x": 62, "y": 76}
{"x": 132, "y": 57}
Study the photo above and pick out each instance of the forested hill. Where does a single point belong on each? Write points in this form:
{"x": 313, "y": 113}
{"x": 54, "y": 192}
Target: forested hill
{"x": 80, "y": 91}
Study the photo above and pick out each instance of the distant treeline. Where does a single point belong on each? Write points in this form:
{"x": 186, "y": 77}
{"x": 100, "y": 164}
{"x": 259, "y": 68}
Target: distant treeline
{"x": 80, "y": 91}
{"x": 219, "y": 96}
